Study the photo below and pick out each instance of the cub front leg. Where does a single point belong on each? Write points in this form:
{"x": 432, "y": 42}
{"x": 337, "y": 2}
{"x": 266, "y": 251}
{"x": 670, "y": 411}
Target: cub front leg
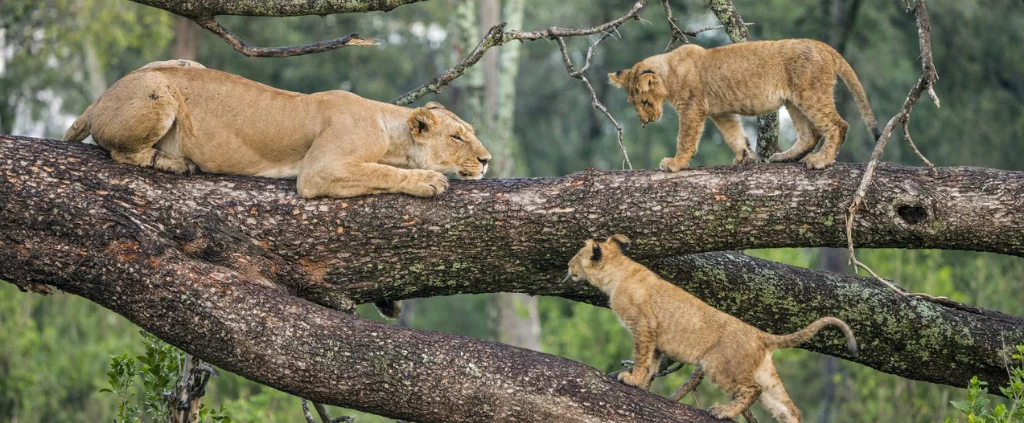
{"x": 645, "y": 360}
{"x": 341, "y": 180}
{"x": 691, "y": 126}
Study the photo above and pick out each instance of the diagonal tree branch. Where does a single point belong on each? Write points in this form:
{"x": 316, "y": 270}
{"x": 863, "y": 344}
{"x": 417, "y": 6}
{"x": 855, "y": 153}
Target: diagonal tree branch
{"x": 924, "y": 84}
{"x": 169, "y": 251}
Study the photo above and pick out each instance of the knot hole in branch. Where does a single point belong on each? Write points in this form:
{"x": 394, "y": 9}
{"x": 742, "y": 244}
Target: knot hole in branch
{"x": 912, "y": 214}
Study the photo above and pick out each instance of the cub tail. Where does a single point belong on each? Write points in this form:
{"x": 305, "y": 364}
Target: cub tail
{"x": 776, "y": 342}
{"x": 80, "y": 129}
{"x": 846, "y": 73}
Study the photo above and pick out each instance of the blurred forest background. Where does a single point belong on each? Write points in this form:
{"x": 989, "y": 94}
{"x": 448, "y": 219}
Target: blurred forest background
{"x": 57, "y": 56}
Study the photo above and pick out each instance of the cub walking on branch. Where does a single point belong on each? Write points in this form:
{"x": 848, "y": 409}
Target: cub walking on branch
{"x": 177, "y": 116}
{"x": 750, "y": 78}
{"x": 665, "y": 319}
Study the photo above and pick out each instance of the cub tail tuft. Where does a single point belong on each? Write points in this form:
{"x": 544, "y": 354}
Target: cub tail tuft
{"x": 80, "y": 129}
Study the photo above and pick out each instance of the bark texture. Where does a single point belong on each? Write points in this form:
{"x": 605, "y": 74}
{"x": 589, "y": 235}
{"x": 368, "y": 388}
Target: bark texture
{"x": 220, "y": 266}
{"x": 210, "y": 8}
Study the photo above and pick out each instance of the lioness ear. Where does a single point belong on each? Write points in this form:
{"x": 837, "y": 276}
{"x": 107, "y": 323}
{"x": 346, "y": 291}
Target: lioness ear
{"x": 596, "y": 248}
{"x": 433, "y": 105}
{"x": 421, "y": 120}
{"x": 618, "y": 79}
{"x": 648, "y": 79}
{"x": 620, "y": 240}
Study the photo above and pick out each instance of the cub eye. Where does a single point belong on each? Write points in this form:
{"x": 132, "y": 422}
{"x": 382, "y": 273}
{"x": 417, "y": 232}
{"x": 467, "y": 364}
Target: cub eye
{"x": 458, "y": 138}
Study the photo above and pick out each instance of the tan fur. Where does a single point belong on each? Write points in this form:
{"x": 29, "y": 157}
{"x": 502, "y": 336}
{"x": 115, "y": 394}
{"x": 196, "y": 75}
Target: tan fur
{"x": 750, "y": 78}
{"x": 665, "y": 319}
{"x": 178, "y": 116}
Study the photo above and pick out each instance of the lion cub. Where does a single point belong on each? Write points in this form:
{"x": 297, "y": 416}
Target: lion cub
{"x": 665, "y": 319}
{"x": 750, "y": 78}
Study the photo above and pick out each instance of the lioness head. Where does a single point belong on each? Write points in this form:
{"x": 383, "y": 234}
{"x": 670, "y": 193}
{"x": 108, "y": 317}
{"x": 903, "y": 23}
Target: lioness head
{"x": 593, "y": 255}
{"x": 646, "y": 90}
{"x": 450, "y": 145}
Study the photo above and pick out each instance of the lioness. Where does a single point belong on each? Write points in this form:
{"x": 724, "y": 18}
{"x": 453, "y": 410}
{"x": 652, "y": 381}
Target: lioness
{"x": 178, "y": 116}
{"x": 665, "y": 319}
{"x": 750, "y": 78}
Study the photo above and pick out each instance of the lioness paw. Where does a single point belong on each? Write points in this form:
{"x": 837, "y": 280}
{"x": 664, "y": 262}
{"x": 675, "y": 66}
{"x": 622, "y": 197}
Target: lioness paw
{"x": 427, "y": 183}
{"x": 816, "y": 161}
{"x": 672, "y": 164}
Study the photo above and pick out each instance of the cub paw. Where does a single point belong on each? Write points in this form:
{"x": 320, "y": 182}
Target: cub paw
{"x": 779, "y": 158}
{"x": 672, "y": 164}
{"x": 629, "y": 378}
{"x": 718, "y": 411}
{"x": 426, "y": 183}
{"x": 746, "y": 158}
{"x": 816, "y": 161}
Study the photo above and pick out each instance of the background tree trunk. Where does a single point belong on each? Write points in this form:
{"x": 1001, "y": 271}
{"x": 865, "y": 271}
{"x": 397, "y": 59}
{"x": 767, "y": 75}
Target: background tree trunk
{"x": 186, "y": 39}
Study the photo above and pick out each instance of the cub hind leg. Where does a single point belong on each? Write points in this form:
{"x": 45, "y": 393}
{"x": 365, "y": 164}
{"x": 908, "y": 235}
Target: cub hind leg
{"x": 819, "y": 107}
{"x": 807, "y": 137}
{"x": 136, "y": 113}
{"x": 774, "y": 397}
{"x": 732, "y": 131}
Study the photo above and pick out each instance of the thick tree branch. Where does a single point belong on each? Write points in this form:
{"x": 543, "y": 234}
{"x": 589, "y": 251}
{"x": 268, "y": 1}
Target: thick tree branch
{"x": 72, "y": 218}
{"x": 204, "y": 14}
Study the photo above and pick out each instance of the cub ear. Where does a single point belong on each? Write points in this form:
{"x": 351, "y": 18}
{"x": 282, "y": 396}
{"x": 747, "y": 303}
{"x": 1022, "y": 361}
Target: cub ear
{"x": 421, "y": 120}
{"x": 648, "y": 79}
{"x": 621, "y": 241}
{"x": 596, "y": 249}
{"x": 433, "y": 105}
{"x": 618, "y": 79}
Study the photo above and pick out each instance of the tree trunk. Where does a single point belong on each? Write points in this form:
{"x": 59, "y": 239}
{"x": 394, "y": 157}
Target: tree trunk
{"x": 221, "y": 267}
{"x": 186, "y": 39}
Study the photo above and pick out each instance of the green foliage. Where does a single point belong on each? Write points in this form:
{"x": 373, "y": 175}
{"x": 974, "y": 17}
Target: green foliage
{"x": 161, "y": 372}
{"x": 123, "y": 370}
{"x": 977, "y": 406}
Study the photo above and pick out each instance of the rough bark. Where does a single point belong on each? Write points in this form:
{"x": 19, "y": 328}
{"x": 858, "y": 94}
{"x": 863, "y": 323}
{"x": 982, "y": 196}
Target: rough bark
{"x": 209, "y": 8}
{"x": 225, "y": 254}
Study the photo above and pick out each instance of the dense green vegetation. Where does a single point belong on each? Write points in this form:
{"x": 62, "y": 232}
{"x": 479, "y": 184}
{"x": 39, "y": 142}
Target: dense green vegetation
{"x": 55, "y": 351}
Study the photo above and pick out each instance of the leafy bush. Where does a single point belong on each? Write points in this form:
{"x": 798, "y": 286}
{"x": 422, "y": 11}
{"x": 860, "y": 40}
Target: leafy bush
{"x": 977, "y": 407}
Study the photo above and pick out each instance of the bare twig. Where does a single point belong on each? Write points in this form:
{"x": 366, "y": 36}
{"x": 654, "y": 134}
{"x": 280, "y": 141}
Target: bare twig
{"x": 679, "y": 34}
{"x": 690, "y": 385}
{"x": 211, "y": 24}
{"x": 593, "y": 94}
{"x": 325, "y": 417}
{"x": 497, "y": 36}
{"x": 924, "y": 84}
{"x": 306, "y": 413}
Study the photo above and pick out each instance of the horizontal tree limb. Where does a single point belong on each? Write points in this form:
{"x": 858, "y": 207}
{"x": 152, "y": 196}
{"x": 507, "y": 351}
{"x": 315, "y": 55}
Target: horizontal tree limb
{"x": 130, "y": 239}
{"x": 210, "y": 8}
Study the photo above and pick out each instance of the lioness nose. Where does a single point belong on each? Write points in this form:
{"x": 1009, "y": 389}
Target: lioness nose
{"x": 483, "y": 160}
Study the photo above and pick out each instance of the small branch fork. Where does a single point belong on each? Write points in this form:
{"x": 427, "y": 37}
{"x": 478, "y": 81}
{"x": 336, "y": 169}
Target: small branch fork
{"x": 678, "y": 34}
{"x": 925, "y": 84}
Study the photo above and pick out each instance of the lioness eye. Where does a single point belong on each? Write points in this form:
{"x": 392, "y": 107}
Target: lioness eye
{"x": 457, "y": 138}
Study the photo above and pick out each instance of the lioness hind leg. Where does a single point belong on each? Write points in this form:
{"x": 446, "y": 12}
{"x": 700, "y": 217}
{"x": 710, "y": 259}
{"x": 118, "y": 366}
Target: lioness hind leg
{"x": 806, "y": 137}
{"x": 156, "y": 159}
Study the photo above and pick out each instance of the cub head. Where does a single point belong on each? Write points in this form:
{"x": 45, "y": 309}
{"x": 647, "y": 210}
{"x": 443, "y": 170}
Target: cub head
{"x": 594, "y": 255}
{"x": 646, "y": 90}
{"x": 448, "y": 144}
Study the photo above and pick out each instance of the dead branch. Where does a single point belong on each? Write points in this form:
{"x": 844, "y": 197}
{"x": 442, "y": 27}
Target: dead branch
{"x": 924, "y": 84}
{"x": 215, "y": 27}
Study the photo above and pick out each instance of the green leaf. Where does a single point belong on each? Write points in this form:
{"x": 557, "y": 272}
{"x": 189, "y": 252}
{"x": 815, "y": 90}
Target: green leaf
{"x": 962, "y": 406}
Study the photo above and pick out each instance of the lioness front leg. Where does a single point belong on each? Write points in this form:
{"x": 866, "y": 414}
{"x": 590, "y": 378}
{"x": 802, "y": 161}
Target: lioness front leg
{"x": 691, "y": 126}
{"x": 341, "y": 180}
